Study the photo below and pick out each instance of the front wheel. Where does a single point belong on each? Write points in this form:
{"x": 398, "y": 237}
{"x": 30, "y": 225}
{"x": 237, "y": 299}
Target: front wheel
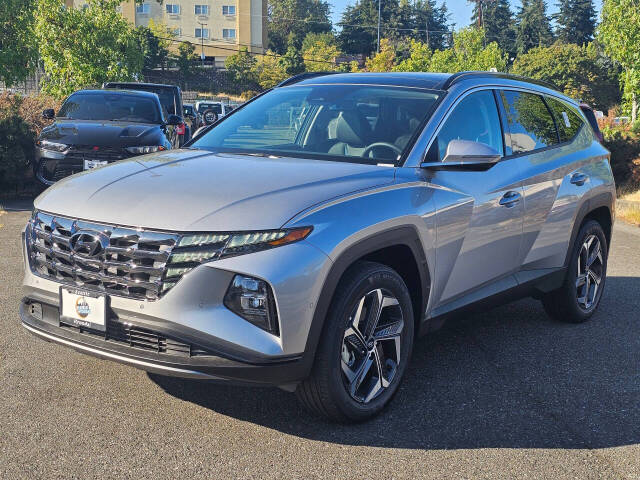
{"x": 366, "y": 345}
{"x": 579, "y": 296}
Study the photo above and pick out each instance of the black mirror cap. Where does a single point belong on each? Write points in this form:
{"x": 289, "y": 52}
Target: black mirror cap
{"x": 174, "y": 120}
{"x": 49, "y": 114}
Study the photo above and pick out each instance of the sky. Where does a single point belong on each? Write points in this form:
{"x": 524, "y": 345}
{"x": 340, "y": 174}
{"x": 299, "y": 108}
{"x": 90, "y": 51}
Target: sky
{"x": 460, "y": 9}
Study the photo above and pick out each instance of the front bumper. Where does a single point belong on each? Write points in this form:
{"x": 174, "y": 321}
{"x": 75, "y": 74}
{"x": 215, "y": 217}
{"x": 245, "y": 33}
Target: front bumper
{"x": 192, "y": 313}
{"x": 50, "y": 167}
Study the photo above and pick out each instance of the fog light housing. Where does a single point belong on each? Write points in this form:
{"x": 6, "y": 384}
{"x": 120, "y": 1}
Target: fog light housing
{"x": 252, "y": 299}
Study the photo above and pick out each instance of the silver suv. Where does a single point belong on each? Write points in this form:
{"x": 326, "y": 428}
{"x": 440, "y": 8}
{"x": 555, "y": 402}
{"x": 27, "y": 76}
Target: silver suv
{"x": 309, "y": 237}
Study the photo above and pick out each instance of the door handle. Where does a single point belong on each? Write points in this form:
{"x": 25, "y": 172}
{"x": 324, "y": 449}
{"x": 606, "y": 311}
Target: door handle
{"x": 579, "y": 179}
{"x": 510, "y": 198}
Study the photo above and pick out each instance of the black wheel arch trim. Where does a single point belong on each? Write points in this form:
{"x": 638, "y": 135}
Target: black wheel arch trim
{"x": 405, "y": 236}
{"x": 603, "y": 199}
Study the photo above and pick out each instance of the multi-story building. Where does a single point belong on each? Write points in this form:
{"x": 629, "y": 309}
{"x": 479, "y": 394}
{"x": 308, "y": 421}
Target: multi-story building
{"x": 218, "y": 28}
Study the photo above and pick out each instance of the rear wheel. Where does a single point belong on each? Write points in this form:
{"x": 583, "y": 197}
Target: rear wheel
{"x": 583, "y": 286}
{"x": 365, "y": 347}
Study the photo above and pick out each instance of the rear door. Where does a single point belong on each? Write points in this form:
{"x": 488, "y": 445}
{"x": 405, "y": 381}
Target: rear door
{"x": 547, "y": 134}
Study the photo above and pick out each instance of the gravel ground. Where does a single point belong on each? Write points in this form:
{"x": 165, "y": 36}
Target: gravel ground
{"x": 501, "y": 394}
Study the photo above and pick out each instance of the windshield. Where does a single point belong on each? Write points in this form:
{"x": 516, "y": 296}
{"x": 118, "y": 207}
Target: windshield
{"x": 216, "y": 107}
{"x": 352, "y": 123}
{"x": 112, "y": 107}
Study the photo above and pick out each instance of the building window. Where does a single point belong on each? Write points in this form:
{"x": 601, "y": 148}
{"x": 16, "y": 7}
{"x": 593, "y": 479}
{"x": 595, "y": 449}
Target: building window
{"x": 229, "y": 33}
{"x": 177, "y": 32}
{"x": 144, "y": 8}
{"x": 228, "y": 10}
{"x": 202, "y": 33}
{"x": 202, "y": 9}
{"x": 173, "y": 9}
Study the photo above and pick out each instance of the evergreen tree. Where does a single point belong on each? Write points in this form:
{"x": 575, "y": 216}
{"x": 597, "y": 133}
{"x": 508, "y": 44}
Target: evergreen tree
{"x": 533, "y": 27}
{"x": 427, "y": 13}
{"x": 296, "y": 17}
{"x": 576, "y": 21}
{"x": 498, "y": 24}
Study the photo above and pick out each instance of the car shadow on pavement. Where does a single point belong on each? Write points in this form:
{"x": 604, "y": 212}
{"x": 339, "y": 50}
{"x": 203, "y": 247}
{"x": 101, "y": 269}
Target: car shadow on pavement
{"x": 508, "y": 377}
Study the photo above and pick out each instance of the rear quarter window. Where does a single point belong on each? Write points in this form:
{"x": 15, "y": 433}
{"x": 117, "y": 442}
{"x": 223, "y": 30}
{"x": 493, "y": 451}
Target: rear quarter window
{"x": 569, "y": 122}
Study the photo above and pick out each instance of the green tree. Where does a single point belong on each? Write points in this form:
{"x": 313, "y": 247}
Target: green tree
{"x": 241, "y": 66}
{"x": 155, "y": 41}
{"x": 619, "y": 32}
{"x": 576, "y": 20}
{"x": 297, "y": 18}
{"x": 269, "y": 71}
{"x": 383, "y": 61}
{"x": 533, "y": 28}
{"x": 292, "y": 62}
{"x": 83, "y": 47}
{"x": 319, "y": 53}
{"x": 468, "y": 53}
{"x": 18, "y": 52}
{"x": 498, "y": 24}
{"x": 581, "y": 72}
{"x": 185, "y": 58}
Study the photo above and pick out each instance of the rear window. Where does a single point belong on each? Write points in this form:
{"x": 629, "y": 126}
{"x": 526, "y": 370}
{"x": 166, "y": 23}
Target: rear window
{"x": 567, "y": 119}
{"x": 528, "y": 120}
{"x": 216, "y": 107}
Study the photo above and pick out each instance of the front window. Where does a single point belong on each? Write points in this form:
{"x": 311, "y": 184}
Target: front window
{"x": 202, "y": 9}
{"x": 202, "y": 33}
{"x": 144, "y": 8}
{"x": 110, "y": 107}
{"x": 349, "y": 123}
{"x": 228, "y": 33}
{"x": 228, "y": 10}
{"x": 173, "y": 9}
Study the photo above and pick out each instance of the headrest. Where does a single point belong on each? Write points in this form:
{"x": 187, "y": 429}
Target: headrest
{"x": 352, "y": 128}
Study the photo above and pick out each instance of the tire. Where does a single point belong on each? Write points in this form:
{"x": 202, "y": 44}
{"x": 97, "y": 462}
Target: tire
{"x": 333, "y": 389}
{"x": 576, "y": 300}
{"x": 209, "y": 117}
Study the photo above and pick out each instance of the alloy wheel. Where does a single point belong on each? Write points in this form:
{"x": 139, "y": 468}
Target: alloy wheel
{"x": 370, "y": 352}
{"x": 590, "y": 271}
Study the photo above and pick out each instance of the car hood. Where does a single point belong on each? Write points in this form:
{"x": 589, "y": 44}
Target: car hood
{"x": 194, "y": 190}
{"x": 100, "y": 133}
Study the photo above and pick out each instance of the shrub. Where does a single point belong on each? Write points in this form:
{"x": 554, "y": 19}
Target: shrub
{"x": 20, "y": 123}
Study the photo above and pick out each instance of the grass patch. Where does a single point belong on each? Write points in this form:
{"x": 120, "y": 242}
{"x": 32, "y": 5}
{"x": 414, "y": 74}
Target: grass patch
{"x": 628, "y": 206}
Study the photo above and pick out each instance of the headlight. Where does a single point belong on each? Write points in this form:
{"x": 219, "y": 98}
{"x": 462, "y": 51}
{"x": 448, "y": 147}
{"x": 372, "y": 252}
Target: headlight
{"x": 192, "y": 250}
{"x": 252, "y": 299}
{"x": 147, "y": 149}
{"x": 53, "y": 146}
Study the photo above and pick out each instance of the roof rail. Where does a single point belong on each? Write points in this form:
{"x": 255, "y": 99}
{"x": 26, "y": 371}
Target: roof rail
{"x": 456, "y": 77}
{"x": 302, "y": 76}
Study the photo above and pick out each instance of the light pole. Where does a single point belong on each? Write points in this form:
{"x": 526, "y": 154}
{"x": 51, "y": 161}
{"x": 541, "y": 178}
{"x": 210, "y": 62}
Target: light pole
{"x": 379, "y": 3}
{"x": 202, "y": 41}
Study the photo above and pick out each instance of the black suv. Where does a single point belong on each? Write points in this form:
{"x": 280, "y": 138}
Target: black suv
{"x": 96, "y": 127}
{"x": 170, "y": 98}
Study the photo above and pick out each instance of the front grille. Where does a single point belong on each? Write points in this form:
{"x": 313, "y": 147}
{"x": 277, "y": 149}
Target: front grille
{"x": 122, "y": 261}
{"x": 87, "y": 152}
{"x": 62, "y": 171}
{"x": 128, "y": 262}
{"x": 143, "y": 338}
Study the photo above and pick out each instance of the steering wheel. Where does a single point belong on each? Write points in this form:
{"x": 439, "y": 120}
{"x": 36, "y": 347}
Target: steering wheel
{"x": 390, "y": 146}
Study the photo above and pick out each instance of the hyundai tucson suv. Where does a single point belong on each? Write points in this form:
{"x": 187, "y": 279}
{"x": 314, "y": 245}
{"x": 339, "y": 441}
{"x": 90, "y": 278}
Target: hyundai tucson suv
{"x": 307, "y": 239}
{"x": 96, "y": 127}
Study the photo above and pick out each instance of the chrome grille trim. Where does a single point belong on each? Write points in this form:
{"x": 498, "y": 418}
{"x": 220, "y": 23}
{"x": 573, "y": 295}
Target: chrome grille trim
{"x": 133, "y": 264}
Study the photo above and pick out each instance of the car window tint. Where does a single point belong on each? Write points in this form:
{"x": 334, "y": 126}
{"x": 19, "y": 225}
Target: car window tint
{"x": 531, "y": 126}
{"x": 111, "y": 107}
{"x": 567, "y": 119}
{"x": 475, "y": 118}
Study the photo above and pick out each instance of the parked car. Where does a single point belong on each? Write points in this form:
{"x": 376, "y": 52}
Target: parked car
{"x": 96, "y": 127}
{"x": 212, "y": 111}
{"x": 170, "y": 98}
{"x": 192, "y": 117}
{"x": 308, "y": 239}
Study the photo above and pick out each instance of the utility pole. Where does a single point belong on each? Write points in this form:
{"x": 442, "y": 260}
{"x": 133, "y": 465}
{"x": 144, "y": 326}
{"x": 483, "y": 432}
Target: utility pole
{"x": 426, "y": 26}
{"x": 202, "y": 41}
{"x": 379, "y": 8}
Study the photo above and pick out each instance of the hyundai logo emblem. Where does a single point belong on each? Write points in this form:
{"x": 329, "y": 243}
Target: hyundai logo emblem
{"x": 88, "y": 243}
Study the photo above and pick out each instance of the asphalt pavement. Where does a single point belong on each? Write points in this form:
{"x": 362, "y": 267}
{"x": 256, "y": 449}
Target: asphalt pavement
{"x": 505, "y": 393}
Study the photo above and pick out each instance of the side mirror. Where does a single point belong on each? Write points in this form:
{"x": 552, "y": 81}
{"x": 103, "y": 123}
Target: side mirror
{"x": 49, "y": 114}
{"x": 174, "y": 120}
{"x": 466, "y": 154}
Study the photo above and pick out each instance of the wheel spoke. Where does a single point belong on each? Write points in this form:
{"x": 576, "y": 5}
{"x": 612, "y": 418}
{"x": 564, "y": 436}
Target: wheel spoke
{"x": 373, "y": 312}
{"x": 378, "y": 353}
{"x": 581, "y": 280}
{"x": 596, "y": 254}
{"x": 360, "y": 374}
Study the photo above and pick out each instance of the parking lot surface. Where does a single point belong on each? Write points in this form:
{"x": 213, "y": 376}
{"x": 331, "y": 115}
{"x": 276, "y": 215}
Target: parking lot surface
{"x": 505, "y": 393}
